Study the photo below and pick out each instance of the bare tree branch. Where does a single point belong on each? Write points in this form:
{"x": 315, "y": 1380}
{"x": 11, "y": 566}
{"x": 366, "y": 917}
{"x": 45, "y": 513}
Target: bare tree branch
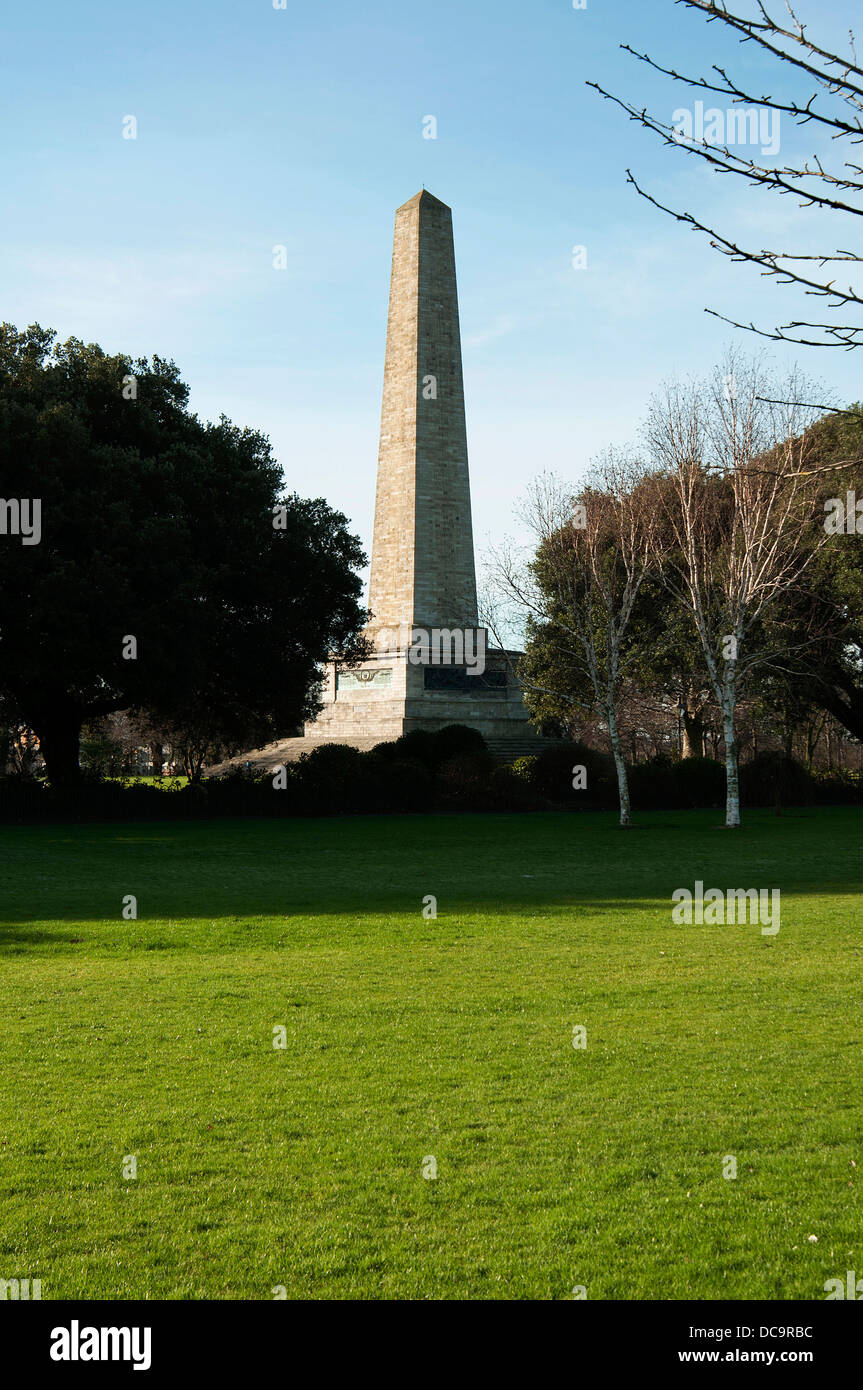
{"x": 840, "y": 78}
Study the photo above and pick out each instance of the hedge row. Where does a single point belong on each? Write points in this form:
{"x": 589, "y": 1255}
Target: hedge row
{"x": 421, "y": 772}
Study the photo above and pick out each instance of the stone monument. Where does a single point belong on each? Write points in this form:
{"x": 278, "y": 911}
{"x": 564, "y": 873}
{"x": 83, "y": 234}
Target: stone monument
{"x": 431, "y": 664}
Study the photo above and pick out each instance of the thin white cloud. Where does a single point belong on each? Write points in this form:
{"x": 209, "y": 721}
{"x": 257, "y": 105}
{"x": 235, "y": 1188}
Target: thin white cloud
{"x": 503, "y": 325}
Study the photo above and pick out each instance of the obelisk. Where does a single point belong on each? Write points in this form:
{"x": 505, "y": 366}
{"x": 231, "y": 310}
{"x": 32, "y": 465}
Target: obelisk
{"x": 423, "y": 579}
{"x": 422, "y": 569}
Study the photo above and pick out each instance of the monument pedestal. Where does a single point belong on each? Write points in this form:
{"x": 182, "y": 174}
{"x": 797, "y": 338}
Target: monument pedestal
{"x": 389, "y": 695}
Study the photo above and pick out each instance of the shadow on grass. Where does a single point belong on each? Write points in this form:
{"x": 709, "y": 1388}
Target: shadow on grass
{"x": 506, "y": 865}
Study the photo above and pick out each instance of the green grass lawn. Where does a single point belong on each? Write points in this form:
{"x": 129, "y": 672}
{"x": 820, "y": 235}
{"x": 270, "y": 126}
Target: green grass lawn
{"x": 409, "y": 1038}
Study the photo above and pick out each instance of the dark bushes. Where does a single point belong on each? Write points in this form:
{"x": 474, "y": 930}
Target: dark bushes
{"x": 433, "y": 748}
{"x": 651, "y": 785}
{"x": 465, "y": 783}
{"x": 449, "y": 770}
{"x": 699, "y": 782}
{"x": 29, "y": 800}
{"x": 771, "y": 779}
{"x": 337, "y": 780}
{"x": 838, "y": 788}
{"x": 660, "y": 784}
{"x": 552, "y": 773}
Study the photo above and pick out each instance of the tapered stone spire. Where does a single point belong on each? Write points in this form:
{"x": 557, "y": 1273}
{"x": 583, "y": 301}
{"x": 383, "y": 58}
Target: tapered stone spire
{"x": 423, "y": 581}
{"x": 422, "y": 571}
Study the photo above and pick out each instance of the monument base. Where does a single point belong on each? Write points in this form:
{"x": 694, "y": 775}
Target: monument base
{"x": 389, "y": 695}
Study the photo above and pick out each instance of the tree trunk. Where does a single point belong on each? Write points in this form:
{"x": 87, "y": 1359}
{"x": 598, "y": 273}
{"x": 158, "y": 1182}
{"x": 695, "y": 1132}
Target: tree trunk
{"x": 789, "y": 739}
{"x": 193, "y": 760}
{"x": 693, "y": 727}
{"x": 813, "y": 734}
{"x": 732, "y": 777}
{"x": 157, "y": 757}
{"x": 59, "y": 737}
{"x": 693, "y": 735}
{"x": 620, "y": 765}
{"x": 829, "y": 748}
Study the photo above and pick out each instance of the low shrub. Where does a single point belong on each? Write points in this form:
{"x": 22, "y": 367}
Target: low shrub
{"x": 465, "y": 782}
{"x": 772, "y": 779}
{"x": 524, "y": 768}
{"x": 512, "y": 791}
{"x": 552, "y": 776}
{"x": 27, "y": 800}
{"x": 698, "y": 782}
{"x": 433, "y": 747}
{"x": 663, "y": 784}
{"x": 651, "y": 784}
{"x": 838, "y": 788}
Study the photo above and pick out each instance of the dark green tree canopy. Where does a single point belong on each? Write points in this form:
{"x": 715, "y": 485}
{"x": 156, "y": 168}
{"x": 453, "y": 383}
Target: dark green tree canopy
{"x": 819, "y": 624}
{"x": 160, "y": 527}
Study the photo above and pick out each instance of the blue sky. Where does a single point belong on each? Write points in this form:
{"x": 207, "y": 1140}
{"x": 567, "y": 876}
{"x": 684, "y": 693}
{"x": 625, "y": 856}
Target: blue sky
{"x": 304, "y": 127}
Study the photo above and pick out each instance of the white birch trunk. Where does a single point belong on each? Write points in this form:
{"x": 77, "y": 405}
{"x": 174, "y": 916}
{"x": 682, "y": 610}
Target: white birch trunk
{"x": 620, "y": 766}
{"x": 732, "y": 778}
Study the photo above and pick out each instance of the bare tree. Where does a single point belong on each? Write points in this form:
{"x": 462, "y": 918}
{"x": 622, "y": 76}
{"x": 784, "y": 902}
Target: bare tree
{"x": 594, "y": 552}
{"x": 831, "y": 101}
{"x": 742, "y": 513}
